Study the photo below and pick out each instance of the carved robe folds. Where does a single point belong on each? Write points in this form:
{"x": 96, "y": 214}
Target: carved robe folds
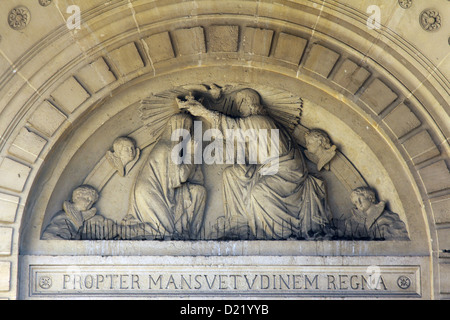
{"x": 286, "y": 203}
{"x": 169, "y": 197}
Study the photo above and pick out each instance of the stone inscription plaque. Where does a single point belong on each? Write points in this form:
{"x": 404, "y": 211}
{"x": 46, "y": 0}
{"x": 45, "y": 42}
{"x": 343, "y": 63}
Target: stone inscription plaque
{"x": 65, "y": 281}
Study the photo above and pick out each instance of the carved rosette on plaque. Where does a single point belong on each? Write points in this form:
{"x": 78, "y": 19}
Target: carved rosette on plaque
{"x": 225, "y": 163}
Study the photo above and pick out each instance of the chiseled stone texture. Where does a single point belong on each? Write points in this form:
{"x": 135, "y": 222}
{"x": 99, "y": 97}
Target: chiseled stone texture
{"x": 159, "y": 47}
{"x": 8, "y": 207}
{"x": 436, "y": 176}
{"x": 402, "y": 120}
{"x": 257, "y": 41}
{"x": 196, "y": 43}
{"x": 378, "y": 96}
{"x": 290, "y": 48}
{"x": 223, "y": 38}
{"x": 350, "y": 76}
{"x": 47, "y": 119}
{"x": 14, "y": 174}
{"x": 321, "y": 60}
{"x": 70, "y": 88}
{"x": 27, "y": 145}
{"x": 126, "y": 59}
{"x": 5, "y": 240}
{"x": 96, "y": 75}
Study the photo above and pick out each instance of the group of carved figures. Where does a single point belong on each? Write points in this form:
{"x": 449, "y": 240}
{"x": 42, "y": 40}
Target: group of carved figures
{"x": 168, "y": 199}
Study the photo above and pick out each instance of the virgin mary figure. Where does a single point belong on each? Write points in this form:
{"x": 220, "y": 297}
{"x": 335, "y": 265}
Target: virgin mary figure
{"x": 168, "y": 196}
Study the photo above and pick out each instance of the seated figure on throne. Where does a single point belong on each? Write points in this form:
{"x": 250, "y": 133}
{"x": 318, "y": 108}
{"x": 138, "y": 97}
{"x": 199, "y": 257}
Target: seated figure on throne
{"x": 275, "y": 197}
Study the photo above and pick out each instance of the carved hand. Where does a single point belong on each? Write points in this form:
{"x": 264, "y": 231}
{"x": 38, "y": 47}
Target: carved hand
{"x": 191, "y": 105}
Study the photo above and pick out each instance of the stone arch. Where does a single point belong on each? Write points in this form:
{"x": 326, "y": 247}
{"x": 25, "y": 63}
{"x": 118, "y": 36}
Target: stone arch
{"x": 396, "y": 100}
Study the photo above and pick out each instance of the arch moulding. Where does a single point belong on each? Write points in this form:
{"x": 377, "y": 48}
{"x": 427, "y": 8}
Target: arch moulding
{"x": 66, "y": 96}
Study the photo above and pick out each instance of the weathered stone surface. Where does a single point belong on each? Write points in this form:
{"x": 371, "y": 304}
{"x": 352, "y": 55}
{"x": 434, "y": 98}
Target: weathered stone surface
{"x": 8, "y": 207}
{"x": 126, "y": 59}
{"x": 378, "y": 96}
{"x": 159, "y": 47}
{"x": 321, "y": 60}
{"x": 444, "y": 238}
{"x": 95, "y": 76}
{"x": 421, "y": 147}
{"x": 350, "y": 76}
{"x": 401, "y": 150}
{"x": 441, "y": 209}
{"x": 70, "y": 88}
{"x": 257, "y": 41}
{"x": 444, "y": 270}
{"x": 27, "y": 145}
{"x": 195, "y": 44}
{"x": 265, "y": 277}
{"x": 5, "y": 274}
{"x": 222, "y": 38}
{"x": 5, "y": 241}
{"x": 47, "y": 119}
{"x": 436, "y": 176}
{"x": 289, "y": 48}
{"x": 14, "y": 174}
{"x": 401, "y": 120}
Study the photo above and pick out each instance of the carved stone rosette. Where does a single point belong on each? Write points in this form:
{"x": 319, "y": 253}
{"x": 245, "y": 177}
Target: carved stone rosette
{"x": 430, "y": 20}
{"x": 19, "y": 17}
{"x": 405, "y": 4}
{"x": 45, "y": 3}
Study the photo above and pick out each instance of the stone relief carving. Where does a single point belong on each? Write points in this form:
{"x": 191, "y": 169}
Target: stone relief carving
{"x": 68, "y": 223}
{"x": 370, "y": 220}
{"x": 430, "y": 20}
{"x": 266, "y": 195}
{"x": 170, "y": 197}
{"x": 45, "y": 3}
{"x": 19, "y": 17}
{"x": 405, "y": 4}
{"x": 319, "y": 148}
{"x": 268, "y": 204}
{"x": 123, "y": 156}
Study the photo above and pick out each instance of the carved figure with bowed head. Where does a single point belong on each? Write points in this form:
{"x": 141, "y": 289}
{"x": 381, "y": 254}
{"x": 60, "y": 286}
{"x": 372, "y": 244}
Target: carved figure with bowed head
{"x": 371, "y": 220}
{"x": 67, "y": 223}
{"x": 124, "y": 155}
{"x": 319, "y": 148}
{"x": 170, "y": 197}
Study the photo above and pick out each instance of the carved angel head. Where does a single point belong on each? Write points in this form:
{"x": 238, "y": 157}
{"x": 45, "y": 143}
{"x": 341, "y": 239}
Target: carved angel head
{"x": 363, "y": 198}
{"x": 319, "y": 148}
{"x": 84, "y": 197}
{"x": 317, "y": 139}
{"x": 124, "y": 149}
{"x": 124, "y": 155}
